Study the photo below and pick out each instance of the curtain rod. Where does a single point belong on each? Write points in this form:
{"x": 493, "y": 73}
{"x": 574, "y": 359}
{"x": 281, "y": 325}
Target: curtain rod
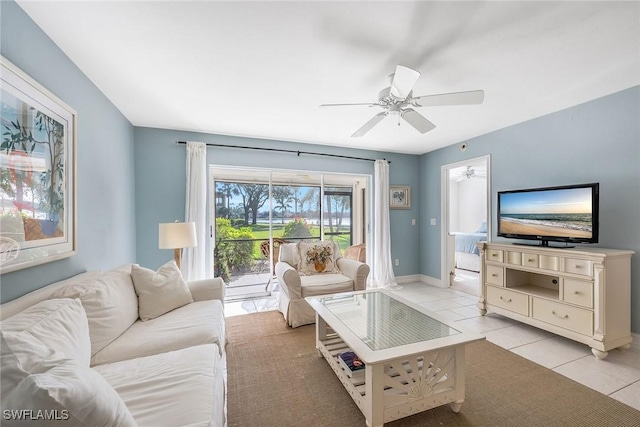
{"x": 280, "y": 150}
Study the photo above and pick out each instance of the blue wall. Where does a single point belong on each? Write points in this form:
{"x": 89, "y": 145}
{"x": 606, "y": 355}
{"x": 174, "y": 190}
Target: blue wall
{"x": 161, "y": 182}
{"x": 594, "y": 142}
{"x": 104, "y": 180}
{"x": 126, "y": 188}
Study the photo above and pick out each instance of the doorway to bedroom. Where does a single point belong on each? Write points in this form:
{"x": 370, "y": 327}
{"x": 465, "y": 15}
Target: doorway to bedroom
{"x": 467, "y": 221}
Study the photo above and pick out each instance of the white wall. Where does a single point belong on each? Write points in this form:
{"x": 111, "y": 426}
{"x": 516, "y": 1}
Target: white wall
{"x": 468, "y": 206}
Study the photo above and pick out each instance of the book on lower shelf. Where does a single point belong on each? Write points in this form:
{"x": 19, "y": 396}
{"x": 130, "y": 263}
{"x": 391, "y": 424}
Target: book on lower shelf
{"x": 351, "y": 363}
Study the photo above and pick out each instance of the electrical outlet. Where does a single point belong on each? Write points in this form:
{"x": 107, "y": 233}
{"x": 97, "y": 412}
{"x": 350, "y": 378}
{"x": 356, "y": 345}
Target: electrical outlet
{"x": 397, "y": 261}
{"x": 413, "y": 221}
{"x": 433, "y": 221}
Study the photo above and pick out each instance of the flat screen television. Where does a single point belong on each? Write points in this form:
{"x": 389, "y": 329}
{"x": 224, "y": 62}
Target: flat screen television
{"x": 553, "y": 214}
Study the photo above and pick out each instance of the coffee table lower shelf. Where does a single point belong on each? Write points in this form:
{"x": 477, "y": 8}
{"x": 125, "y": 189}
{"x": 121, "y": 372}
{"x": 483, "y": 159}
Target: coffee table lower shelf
{"x": 400, "y": 387}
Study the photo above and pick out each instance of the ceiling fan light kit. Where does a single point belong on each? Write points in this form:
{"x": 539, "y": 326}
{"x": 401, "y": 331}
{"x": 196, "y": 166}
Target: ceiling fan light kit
{"x": 398, "y": 99}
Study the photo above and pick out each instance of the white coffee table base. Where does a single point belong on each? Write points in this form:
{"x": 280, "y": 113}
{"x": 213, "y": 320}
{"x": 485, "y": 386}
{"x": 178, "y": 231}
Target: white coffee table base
{"x": 399, "y": 387}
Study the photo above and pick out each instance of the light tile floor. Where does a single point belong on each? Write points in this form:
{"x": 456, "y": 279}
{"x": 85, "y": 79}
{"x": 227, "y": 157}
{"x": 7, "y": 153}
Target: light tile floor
{"x": 617, "y": 376}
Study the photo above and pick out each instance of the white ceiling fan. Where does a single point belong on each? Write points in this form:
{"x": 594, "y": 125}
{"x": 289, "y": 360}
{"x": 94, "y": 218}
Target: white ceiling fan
{"x": 398, "y": 99}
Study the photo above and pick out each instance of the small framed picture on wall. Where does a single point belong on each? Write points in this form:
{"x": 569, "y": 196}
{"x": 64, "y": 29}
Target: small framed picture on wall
{"x": 399, "y": 197}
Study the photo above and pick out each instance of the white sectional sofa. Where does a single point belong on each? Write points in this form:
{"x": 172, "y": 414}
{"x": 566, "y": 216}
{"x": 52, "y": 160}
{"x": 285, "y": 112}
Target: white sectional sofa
{"x": 77, "y": 351}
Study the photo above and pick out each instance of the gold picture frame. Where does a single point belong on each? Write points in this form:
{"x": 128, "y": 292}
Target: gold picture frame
{"x": 37, "y": 173}
{"x": 399, "y": 197}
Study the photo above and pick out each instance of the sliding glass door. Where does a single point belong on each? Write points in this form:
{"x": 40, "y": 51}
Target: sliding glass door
{"x": 256, "y": 210}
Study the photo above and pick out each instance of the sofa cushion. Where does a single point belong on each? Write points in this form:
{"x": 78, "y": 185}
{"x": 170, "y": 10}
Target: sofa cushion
{"x": 307, "y": 251}
{"x": 60, "y": 324}
{"x": 201, "y": 322}
{"x": 323, "y": 284}
{"x": 159, "y": 291}
{"x": 110, "y": 302}
{"x": 75, "y": 394}
{"x": 20, "y": 355}
{"x": 38, "y": 378}
{"x": 177, "y": 388}
{"x": 18, "y": 305}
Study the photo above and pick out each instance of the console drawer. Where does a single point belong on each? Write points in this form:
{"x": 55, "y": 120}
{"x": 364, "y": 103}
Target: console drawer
{"x": 578, "y": 292}
{"x": 494, "y": 255}
{"x": 573, "y": 318}
{"x": 495, "y": 275}
{"x": 509, "y": 300}
{"x": 514, "y": 258}
{"x": 530, "y": 260}
{"x": 549, "y": 262}
{"x": 578, "y": 266}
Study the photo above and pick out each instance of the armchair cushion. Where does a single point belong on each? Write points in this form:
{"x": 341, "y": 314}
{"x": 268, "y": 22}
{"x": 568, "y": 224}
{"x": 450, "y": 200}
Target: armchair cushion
{"x": 323, "y": 284}
{"x": 308, "y": 252}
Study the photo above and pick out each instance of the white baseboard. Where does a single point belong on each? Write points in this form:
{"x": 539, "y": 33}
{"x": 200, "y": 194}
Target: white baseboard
{"x": 413, "y": 278}
{"x": 635, "y": 344}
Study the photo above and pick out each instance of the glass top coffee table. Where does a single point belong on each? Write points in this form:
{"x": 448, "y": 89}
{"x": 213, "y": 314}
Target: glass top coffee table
{"x": 414, "y": 359}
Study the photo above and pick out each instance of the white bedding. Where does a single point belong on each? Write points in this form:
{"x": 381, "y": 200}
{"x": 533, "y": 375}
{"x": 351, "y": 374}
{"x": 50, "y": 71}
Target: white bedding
{"x": 467, "y": 261}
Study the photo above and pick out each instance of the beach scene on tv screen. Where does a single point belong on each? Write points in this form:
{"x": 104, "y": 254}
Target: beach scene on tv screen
{"x": 553, "y": 213}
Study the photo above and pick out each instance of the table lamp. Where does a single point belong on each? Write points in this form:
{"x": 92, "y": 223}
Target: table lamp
{"x": 177, "y": 235}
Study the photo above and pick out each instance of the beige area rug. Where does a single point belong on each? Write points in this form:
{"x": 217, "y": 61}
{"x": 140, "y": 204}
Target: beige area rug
{"x": 276, "y": 379}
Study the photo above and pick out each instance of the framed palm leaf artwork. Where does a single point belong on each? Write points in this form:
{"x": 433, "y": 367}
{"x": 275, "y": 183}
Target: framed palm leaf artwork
{"x": 37, "y": 173}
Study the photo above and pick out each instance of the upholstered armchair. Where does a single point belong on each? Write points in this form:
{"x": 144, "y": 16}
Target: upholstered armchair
{"x": 298, "y": 278}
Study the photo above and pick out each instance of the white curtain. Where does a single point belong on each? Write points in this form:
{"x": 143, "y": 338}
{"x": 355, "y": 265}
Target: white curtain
{"x": 382, "y": 265}
{"x": 193, "y": 260}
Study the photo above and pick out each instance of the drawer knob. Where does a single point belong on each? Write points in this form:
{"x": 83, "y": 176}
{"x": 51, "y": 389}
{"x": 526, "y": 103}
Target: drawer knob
{"x": 494, "y": 275}
{"x": 578, "y": 266}
{"x": 494, "y": 255}
{"x": 507, "y": 300}
{"x": 530, "y": 259}
{"x": 576, "y": 292}
{"x": 566, "y": 316}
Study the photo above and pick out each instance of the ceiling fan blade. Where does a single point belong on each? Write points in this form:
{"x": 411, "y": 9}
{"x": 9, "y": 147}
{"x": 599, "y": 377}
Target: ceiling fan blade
{"x": 370, "y": 104}
{"x": 417, "y": 120}
{"x": 403, "y": 81}
{"x": 455, "y": 98}
{"x": 369, "y": 125}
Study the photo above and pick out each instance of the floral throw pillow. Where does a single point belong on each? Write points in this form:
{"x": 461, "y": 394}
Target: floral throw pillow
{"x": 317, "y": 258}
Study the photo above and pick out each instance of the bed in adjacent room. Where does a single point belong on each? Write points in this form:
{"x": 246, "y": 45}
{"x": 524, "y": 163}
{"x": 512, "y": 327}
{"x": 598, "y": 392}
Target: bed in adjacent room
{"x": 466, "y": 248}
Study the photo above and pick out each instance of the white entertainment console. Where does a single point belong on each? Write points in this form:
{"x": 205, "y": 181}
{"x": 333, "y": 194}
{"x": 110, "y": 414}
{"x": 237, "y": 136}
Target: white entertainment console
{"x": 582, "y": 294}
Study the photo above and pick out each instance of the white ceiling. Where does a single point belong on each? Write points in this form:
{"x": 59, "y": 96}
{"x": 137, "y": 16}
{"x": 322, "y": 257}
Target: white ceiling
{"x": 261, "y": 69}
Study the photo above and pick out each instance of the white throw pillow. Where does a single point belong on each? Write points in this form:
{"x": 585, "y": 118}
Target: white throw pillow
{"x": 110, "y": 302}
{"x": 307, "y": 252}
{"x": 159, "y": 291}
{"x": 20, "y": 355}
{"x": 75, "y": 395}
{"x": 60, "y": 324}
{"x": 289, "y": 254}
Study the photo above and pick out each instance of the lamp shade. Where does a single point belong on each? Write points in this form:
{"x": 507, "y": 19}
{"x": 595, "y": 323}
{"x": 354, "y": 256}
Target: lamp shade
{"x": 173, "y": 235}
